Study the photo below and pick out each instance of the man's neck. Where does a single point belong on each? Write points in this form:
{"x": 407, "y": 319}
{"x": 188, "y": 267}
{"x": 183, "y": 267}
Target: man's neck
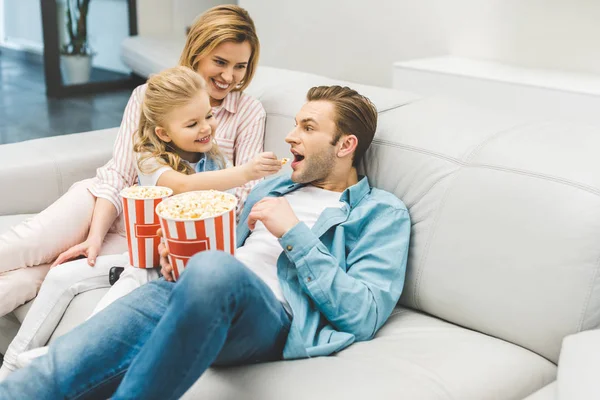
{"x": 337, "y": 183}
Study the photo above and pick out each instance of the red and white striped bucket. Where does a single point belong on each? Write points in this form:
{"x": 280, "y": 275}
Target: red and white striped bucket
{"x": 141, "y": 224}
{"x": 186, "y": 237}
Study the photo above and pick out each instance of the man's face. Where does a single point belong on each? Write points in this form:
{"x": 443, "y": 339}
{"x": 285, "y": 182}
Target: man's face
{"x": 311, "y": 143}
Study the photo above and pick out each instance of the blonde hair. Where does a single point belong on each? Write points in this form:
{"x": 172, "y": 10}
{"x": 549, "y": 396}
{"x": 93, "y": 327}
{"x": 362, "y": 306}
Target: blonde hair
{"x": 170, "y": 89}
{"x": 227, "y": 23}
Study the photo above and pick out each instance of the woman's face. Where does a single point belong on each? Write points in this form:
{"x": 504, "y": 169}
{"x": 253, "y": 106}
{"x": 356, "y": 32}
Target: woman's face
{"x": 224, "y": 68}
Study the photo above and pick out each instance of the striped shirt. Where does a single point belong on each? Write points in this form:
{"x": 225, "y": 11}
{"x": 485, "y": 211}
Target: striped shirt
{"x": 240, "y": 136}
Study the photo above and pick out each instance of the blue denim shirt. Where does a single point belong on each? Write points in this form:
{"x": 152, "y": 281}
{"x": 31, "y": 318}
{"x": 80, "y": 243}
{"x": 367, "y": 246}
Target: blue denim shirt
{"x": 343, "y": 277}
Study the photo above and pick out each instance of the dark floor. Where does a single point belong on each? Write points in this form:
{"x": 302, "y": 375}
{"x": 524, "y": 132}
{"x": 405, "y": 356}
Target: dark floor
{"x": 26, "y": 113}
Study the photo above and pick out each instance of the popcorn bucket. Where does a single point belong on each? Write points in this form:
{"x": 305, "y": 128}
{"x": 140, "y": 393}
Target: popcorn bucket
{"x": 197, "y": 221}
{"x": 141, "y": 223}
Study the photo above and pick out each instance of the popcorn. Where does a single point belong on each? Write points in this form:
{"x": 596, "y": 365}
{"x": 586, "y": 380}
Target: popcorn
{"x": 284, "y": 161}
{"x": 196, "y": 205}
{"x": 146, "y": 192}
{"x": 141, "y": 223}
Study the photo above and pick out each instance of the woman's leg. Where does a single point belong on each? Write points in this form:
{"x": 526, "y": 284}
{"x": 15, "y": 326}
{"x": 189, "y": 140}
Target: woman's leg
{"x": 131, "y": 278}
{"x": 20, "y": 286}
{"x": 61, "y": 285}
{"x": 42, "y": 238}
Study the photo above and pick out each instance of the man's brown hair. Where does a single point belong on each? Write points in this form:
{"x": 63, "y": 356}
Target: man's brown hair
{"x": 354, "y": 115}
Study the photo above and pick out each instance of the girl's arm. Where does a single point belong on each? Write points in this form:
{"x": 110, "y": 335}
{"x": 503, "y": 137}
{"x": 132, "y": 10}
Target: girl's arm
{"x": 262, "y": 165}
{"x": 104, "y": 215}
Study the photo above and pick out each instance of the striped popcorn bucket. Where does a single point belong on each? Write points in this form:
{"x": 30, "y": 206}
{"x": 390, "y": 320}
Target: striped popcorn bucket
{"x": 141, "y": 223}
{"x": 186, "y": 237}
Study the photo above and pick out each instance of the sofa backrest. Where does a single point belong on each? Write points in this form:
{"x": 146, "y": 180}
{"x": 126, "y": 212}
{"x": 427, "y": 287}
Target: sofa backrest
{"x": 505, "y": 209}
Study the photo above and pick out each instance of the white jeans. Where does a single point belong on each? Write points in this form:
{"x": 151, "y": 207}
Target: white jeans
{"x": 27, "y": 248}
{"x": 61, "y": 285}
{"x": 131, "y": 278}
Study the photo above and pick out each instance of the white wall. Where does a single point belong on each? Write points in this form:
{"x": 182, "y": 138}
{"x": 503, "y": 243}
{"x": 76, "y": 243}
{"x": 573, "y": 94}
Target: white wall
{"x": 358, "y": 40}
{"x": 22, "y": 24}
{"x": 170, "y": 17}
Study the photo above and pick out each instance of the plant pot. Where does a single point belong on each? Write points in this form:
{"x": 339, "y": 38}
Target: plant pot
{"x": 75, "y": 69}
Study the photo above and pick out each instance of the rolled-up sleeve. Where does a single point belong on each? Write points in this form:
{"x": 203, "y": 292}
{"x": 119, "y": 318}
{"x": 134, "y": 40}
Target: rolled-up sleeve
{"x": 120, "y": 171}
{"x": 248, "y": 143}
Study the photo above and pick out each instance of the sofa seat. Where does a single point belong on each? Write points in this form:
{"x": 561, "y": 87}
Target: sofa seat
{"x": 414, "y": 356}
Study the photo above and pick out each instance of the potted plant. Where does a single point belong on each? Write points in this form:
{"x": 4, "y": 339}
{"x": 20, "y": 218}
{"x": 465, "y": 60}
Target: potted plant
{"x": 76, "y": 55}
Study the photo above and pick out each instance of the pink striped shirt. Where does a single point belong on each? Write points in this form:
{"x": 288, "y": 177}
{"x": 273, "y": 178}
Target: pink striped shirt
{"x": 240, "y": 135}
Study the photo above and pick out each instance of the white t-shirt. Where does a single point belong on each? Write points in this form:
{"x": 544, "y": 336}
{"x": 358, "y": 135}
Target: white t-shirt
{"x": 261, "y": 249}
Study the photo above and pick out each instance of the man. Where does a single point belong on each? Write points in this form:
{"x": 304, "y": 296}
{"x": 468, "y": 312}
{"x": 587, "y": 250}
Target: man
{"x": 320, "y": 264}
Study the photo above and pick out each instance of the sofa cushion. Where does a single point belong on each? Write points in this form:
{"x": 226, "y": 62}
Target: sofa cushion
{"x": 41, "y": 170}
{"x": 505, "y": 210}
{"x": 414, "y": 356}
{"x": 506, "y": 216}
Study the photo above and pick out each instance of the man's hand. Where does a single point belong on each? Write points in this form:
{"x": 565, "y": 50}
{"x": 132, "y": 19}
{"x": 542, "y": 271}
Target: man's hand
{"x": 275, "y": 213}
{"x": 165, "y": 268}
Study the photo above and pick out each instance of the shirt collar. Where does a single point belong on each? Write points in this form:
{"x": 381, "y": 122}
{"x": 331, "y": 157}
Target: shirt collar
{"x": 230, "y": 102}
{"x": 355, "y": 193}
{"x": 351, "y": 196}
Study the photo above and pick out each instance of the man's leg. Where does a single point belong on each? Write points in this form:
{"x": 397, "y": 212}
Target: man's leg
{"x": 90, "y": 361}
{"x": 219, "y": 312}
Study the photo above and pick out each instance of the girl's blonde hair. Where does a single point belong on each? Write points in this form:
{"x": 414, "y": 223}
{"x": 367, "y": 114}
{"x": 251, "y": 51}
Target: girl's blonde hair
{"x": 227, "y": 23}
{"x": 171, "y": 88}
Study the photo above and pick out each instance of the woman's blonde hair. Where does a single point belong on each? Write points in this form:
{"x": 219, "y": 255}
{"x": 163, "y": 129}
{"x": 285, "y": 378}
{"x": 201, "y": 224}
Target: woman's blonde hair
{"x": 172, "y": 88}
{"x": 227, "y": 23}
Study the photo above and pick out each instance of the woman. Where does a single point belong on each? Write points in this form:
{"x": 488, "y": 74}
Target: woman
{"x": 222, "y": 46}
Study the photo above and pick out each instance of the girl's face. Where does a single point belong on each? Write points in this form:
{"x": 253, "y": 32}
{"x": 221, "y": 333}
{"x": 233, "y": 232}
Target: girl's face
{"x": 224, "y": 68}
{"x": 190, "y": 129}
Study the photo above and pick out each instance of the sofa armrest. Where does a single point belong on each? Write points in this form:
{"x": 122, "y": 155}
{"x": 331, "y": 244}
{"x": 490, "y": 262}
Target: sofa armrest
{"x": 548, "y": 392}
{"x": 35, "y": 173}
{"x": 579, "y": 367}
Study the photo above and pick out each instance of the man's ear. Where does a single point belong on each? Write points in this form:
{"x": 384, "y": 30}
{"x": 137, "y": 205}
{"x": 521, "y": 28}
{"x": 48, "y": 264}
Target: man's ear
{"x": 162, "y": 134}
{"x": 347, "y": 145}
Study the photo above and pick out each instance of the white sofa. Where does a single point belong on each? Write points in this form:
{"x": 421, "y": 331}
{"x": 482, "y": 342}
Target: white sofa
{"x": 503, "y": 260}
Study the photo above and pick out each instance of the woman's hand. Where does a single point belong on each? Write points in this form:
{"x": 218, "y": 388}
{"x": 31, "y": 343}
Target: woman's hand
{"x": 264, "y": 164}
{"x": 90, "y": 249}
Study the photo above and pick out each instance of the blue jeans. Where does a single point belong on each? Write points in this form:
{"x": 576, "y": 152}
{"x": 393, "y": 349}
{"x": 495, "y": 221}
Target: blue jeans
{"x": 157, "y": 341}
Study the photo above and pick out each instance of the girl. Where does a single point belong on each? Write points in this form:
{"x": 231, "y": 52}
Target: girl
{"x": 174, "y": 141}
{"x": 222, "y": 46}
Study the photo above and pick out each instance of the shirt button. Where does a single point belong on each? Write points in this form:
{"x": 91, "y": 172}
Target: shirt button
{"x": 309, "y": 279}
{"x": 290, "y": 247}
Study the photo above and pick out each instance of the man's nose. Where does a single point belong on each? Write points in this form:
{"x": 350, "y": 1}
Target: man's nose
{"x": 291, "y": 137}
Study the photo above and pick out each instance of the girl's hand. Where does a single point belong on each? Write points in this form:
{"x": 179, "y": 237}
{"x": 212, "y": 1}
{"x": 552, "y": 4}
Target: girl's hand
{"x": 90, "y": 248}
{"x": 264, "y": 164}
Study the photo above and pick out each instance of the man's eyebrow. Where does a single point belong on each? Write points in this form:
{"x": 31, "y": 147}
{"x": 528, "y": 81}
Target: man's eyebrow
{"x": 307, "y": 120}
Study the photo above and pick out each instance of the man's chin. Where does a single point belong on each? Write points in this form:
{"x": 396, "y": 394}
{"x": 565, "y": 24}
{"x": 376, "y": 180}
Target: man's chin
{"x": 297, "y": 177}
